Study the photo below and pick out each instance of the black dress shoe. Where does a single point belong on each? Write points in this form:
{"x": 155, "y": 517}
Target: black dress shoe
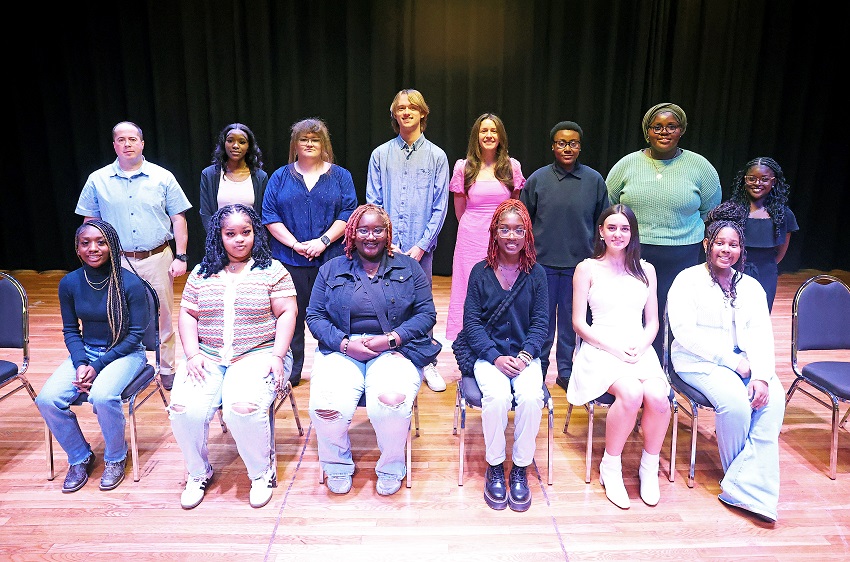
{"x": 78, "y": 475}
{"x": 495, "y": 491}
{"x": 113, "y": 474}
{"x": 519, "y": 497}
{"x": 563, "y": 381}
{"x": 167, "y": 381}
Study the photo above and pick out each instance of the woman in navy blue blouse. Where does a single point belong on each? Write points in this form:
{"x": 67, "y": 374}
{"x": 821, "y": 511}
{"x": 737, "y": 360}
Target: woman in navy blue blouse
{"x": 305, "y": 208}
{"x": 104, "y": 316}
{"x": 508, "y": 368}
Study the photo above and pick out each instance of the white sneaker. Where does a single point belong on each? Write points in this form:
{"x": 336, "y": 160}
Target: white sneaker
{"x": 262, "y": 487}
{"x": 194, "y": 492}
{"x": 433, "y": 379}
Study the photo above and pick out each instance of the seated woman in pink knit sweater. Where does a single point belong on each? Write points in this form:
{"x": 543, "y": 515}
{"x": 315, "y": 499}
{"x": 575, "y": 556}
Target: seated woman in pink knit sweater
{"x": 237, "y": 317}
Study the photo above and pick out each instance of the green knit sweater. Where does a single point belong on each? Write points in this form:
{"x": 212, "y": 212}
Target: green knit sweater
{"x": 671, "y": 209}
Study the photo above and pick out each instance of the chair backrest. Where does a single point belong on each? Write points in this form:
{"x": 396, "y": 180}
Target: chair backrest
{"x": 14, "y": 315}
{"x": 151, "y": 337}
{"x": 820, "y": 315}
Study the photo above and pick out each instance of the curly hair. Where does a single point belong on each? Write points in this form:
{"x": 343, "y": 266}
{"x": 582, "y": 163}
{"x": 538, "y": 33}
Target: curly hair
{"x": 354, "y": 219}
{"x": 215, "y": 257}
{"x": 503, "y": 171}
{"x": 117, "y": 312}
{"x": 775, "y": 201}
{"x": 633, "y": 265}
{"x": 253, "y": 157}
{"x": 527, "y": 255}
{"x": 726, "y": 215}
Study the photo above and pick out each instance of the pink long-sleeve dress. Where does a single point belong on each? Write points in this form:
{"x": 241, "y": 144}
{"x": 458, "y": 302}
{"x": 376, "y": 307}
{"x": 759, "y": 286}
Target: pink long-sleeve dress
{"x": 473, "y": 234}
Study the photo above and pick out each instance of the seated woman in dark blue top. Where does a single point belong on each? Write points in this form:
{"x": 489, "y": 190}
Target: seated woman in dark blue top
{"x": 508, "y": 350}
{"x": 371, "y": 311}
{"x": 104, "y": 315}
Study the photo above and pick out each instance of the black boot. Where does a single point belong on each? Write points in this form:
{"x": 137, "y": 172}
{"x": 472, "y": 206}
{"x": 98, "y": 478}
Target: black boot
{"x": 495, "y": 491}
{"x": 520, "y": 496}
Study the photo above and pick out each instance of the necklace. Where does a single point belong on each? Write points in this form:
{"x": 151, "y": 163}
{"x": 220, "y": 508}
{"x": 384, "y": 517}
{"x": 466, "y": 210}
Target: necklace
{"x": 652, "y": 161}
{"x": 370, "y": 271}
{"x": 97, "y": 285}
{"x": 504, "y": 269}
{"x": 510, "y": 275}
{"x": 233, "y": 265}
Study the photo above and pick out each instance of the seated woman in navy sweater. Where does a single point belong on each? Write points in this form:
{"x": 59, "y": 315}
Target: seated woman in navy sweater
{"x": 507, "y": 368}
{"x": 104, "y": 315}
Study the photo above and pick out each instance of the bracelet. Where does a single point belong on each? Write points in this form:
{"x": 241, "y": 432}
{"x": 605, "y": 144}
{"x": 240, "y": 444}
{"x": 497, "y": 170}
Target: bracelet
{"x": 192, "y": 357}
{"x": 345, "y": 348}
{"x": 525, "y": 357}
{"x": 278, "y": 356}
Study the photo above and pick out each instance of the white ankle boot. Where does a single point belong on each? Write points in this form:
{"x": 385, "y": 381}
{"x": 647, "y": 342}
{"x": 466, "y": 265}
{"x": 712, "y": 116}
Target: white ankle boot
{"x": 611, "y": 476}
{"x": 649, "y": 490}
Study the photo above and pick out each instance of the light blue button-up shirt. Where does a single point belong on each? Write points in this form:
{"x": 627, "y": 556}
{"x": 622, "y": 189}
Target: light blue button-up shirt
{"x": 412, "y": 185}
{"x": 139, "y": 204}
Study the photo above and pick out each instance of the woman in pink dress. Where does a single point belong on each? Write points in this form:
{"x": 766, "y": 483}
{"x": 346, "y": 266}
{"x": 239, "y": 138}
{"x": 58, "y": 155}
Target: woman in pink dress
{"x": 479, "y": 183}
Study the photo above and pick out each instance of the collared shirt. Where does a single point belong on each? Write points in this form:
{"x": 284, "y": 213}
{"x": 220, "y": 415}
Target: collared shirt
{"x": 412, "y": 184}
{"x": 564, "y": 207}
{"x": 139, "y": 204}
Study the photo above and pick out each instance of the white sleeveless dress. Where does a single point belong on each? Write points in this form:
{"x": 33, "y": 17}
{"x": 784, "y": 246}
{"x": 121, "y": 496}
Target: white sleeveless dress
{"x": 617, "y": 303}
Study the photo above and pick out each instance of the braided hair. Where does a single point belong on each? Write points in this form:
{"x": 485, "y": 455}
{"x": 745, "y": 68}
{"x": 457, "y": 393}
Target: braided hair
{"x": 775, "y": 201}
{"x": 726, "y": 215}
{"x": 633, "y": 265}
{"x": 117, "y": 311}
{"x": 527, "y": 255}
{"x": 354, "y": 219}
{"x": 253, "y": 156}
{"x": 215, "y": 257}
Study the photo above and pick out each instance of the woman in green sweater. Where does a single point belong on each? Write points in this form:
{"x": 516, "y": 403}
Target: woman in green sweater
{"x": 671, "y": 190}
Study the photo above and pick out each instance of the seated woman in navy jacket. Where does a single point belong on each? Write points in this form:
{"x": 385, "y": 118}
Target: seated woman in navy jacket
{"x": 370, "y": 311}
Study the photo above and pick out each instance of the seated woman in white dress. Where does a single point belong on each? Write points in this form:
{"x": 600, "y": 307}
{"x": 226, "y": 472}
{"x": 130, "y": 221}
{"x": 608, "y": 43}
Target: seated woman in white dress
{"x": 620, "y": 289}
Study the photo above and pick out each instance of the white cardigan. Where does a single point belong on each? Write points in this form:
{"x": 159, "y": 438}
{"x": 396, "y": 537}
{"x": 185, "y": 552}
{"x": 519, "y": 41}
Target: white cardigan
{"x": 707, "y": 329}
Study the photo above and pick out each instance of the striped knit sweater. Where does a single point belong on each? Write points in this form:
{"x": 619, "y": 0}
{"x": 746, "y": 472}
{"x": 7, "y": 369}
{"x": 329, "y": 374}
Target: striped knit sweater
{"x": 670, "y": 210}
{"x": 254, "y": 327}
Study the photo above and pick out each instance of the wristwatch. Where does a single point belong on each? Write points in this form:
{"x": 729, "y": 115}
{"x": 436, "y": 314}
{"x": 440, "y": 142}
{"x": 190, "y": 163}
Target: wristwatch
{"x": 181, "y": 257}
{"x": 391, "y": 341}
{"x": 325, "y": 240}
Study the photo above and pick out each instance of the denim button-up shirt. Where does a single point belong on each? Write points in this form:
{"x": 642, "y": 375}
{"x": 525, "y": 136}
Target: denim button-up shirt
{"x": 413, "y": 187}
{"x": 407, "y": 303}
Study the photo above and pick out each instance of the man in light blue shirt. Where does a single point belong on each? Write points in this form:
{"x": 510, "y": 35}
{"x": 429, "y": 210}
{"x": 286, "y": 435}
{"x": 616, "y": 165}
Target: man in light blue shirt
{"x": 147, "y": 207}
{"x": 409, "y": 177}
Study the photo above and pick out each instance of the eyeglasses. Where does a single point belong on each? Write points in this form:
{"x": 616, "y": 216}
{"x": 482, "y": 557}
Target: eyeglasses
{"x": 377, "y": 232}
{"x": 562, "y": 144}
{"x": 308, "y": 140}
{"x": 657, "y": 129}
{"x": 505, "y": 232}
{"x": 753, "y": 180}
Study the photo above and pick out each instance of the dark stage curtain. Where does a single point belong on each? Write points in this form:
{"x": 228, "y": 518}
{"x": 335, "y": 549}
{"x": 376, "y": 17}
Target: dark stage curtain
{"x": 755, "y": 78}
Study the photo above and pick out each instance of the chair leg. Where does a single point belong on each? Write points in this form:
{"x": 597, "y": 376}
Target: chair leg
{"x": 221, "y": 420}
{"x": 416, "y": 414}
{"x": 272, "y": 443}
{"x": 589, "y": 442}
{"x": 567, "y": 421}
{"x": 673, "y": 440}
{"x": 408, "y": 447}
{"x": 134, "y": 447}
{"x": 833, "y": 450}
{"x": 791, "y": 390}
{"x": 550, "y": 442}
{"x": 48, "y": 444}
{"x": 844, "y": 419}
{"x": 694, "y": 425}
{"x": 294, "y": 407}
{"x": 462, "y": 443}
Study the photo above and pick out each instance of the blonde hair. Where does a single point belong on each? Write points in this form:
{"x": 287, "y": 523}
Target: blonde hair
{"x": 312, "y": 125}
{"x": 417, "y": 100}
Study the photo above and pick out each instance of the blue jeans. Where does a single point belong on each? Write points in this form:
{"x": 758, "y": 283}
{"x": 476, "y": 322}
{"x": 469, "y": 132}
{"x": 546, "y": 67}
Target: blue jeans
{"x": 497, "y": 395}
{"x": 748, "y": 439}
{"x": 336, "y": 385}
{"x": 58, "y": 393}
{"x": 561, "y": 314}
{"x": 248, "y": 381}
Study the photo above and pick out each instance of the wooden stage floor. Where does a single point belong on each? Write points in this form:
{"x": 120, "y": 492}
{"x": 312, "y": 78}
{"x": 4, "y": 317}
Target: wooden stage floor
{"x": 435, "y": 519}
